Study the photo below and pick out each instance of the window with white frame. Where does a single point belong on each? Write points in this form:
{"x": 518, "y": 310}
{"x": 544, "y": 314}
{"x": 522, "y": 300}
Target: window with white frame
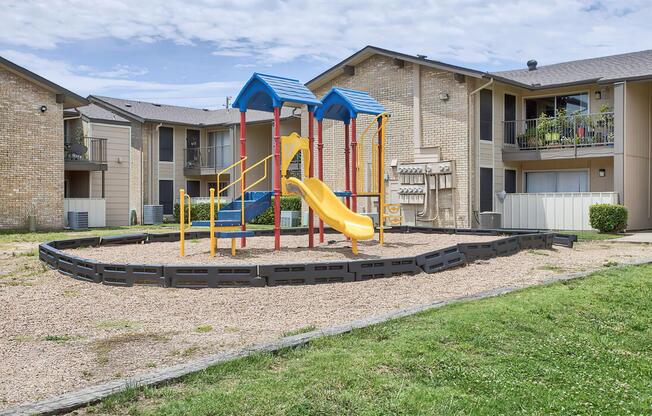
{"x": 557, "y": 181}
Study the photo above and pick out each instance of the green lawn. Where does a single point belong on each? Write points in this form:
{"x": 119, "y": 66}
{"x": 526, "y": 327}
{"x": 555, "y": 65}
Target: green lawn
{"x": 579, "y": 347}
{"x": 592, "y": 235}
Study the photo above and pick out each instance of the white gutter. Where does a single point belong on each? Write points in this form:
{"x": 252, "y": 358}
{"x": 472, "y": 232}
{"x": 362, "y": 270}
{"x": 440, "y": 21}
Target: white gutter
{"x": 468, "y": 134}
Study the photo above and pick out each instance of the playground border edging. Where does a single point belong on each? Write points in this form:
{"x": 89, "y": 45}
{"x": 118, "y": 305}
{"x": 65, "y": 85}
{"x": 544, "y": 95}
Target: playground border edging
{"x": 225, "y": 276}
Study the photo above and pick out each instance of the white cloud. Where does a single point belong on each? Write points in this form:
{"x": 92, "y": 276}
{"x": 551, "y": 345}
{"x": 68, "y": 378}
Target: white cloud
{"x": 480, "y": 33}
{"x": 84, "y": 81}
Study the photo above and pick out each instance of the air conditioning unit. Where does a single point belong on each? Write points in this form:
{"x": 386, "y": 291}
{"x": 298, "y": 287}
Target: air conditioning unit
{"x": 78, "y": 220}
{"x": 152, "y": 214}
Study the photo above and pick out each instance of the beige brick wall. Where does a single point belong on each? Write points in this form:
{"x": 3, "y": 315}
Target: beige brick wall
{"x": 443, "y": 124}
{"x": 31, "y": 154}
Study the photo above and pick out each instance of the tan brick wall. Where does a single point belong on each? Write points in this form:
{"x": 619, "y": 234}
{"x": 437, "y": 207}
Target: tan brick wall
{"x": 31, "y": 154}
{"x": 443, "y": 124}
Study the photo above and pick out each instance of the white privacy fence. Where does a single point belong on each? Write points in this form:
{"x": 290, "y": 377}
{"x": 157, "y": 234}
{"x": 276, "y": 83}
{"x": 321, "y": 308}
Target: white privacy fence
{"x": 553, "y": 211}
{"x": 96, "y": 208}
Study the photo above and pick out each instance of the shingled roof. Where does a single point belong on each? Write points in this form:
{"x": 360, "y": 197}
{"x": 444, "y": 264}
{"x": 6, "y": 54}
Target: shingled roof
{"x": 163, "y": 113}
{"x": 96, "y": 113}
{"x": 606, "y": 69}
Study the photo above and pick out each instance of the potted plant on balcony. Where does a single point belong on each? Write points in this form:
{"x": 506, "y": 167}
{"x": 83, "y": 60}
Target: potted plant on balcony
{"x": 546, "y": 130}
{"x": 583, "y": 126}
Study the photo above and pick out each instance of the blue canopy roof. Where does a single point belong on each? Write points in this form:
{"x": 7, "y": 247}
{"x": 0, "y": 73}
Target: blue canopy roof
{"x": 264, "y": 92}
{"x": 344, "y": 104}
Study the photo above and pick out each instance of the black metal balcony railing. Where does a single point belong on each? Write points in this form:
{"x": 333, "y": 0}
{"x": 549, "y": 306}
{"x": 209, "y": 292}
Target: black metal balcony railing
{"x": 208, "y": 157}
{"x": 86, "y": 149}
{"x": 575, "y": 131}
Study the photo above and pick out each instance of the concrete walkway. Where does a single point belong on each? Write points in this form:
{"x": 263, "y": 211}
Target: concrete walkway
{"x": 639, "y": 237}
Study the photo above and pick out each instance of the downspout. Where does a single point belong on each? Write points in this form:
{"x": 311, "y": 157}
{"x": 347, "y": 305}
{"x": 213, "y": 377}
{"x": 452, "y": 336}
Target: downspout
{"x": 468, "y": 135}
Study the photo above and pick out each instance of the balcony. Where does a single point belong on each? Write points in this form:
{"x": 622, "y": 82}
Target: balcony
{"x": 206, "y": 160}
{"x": 579, "y": 135}
{"x": 85, "y": 154}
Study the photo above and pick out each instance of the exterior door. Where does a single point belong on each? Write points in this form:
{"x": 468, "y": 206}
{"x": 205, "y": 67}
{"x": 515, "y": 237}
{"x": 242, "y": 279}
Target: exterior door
{"x": 192, "y": 148}
{"x": 166, "y": 196}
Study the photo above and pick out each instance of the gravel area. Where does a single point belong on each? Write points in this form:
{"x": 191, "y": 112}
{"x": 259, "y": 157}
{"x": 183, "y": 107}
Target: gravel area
{"x": 58, "y": 334}
{"x": 260, "y": 250}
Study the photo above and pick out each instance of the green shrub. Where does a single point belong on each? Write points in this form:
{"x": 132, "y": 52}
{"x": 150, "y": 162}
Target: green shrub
{"x": 201, "y": 211}
{"x": 288, "y": 203}
{"x": 608, "y": 218}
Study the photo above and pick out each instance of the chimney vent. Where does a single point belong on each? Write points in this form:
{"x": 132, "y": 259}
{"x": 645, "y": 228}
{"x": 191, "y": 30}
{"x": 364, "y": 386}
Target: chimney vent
{"x": 532, "y": 64}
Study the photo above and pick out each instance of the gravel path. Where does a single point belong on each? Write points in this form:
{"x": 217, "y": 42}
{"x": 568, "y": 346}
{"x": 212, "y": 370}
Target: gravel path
{"x": 58, "y": 334}
{"x": 260, "y": 250}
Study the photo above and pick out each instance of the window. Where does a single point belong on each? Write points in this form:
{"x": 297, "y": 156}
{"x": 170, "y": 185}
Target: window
{"x": 486, "y": 115}
{"x": 550, "y": 106}
{"x": 219, "y": 153}
{"x": 510, "y": 119}
{"x": 486, "y": 189}
{"x": 557, "y": 181}
{"x": 192, "y": 188}
{"x": 510, "y": 181}
{"x": 223, "y": 184}
{"x": 166, "y": 195}
{"x": 165, "y": 144}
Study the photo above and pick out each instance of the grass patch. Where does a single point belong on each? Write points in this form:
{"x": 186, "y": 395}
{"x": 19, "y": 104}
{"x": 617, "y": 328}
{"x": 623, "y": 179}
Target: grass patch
{"x": 303, "y": 330}
{"x": 202, "y": 329}
{"x": 552, "y": 268}
{"x": 592, "y": 235}
{"x": 575, "y": 347}
{"x": 18, "y": 236}
{"x": 60, "y": 338}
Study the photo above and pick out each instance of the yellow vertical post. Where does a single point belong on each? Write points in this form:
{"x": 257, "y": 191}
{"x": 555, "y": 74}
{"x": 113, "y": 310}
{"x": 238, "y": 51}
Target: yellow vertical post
{"x": 354, "y": 246}
{"x": 182, "y": 223}
{"x": 233, "y": 247}
{"x": 381, "y": 181}
{"x": 212, "y": 222}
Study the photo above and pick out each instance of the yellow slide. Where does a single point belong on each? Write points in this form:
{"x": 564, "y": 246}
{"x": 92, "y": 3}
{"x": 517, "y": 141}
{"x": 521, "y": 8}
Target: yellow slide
{"x": 332, "y": 210}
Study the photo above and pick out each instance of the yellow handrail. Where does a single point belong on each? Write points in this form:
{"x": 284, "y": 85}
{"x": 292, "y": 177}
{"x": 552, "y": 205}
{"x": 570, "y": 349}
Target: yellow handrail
{"x": 231, "y": 166}
{"x": 359, "y": 162}
{"x": 264, "y": 160}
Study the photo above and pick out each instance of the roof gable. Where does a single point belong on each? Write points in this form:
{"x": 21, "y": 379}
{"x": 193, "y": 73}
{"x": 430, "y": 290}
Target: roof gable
{"x": 344, "y": 104}
{"x": 264, "y": 92}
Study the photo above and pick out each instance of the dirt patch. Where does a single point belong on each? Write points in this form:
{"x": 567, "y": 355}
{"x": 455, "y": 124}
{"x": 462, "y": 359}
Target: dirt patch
{"x": 60, "y": 334}
{"x": 260, "y": 250}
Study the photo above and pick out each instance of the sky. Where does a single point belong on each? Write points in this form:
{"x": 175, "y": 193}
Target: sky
{"x": 198, "y": 52}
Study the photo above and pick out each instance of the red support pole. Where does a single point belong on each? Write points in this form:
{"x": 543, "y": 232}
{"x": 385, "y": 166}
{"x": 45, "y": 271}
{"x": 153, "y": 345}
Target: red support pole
{"x": 311, "y": 145}
{"x": 243, "y": 154}
{"x": 277, "y": 178}
{"x": 354, "y": 161}
{"x": 381, "y": 180}
{"x": 347, "y": 168}
{"x": 320, "y": 170}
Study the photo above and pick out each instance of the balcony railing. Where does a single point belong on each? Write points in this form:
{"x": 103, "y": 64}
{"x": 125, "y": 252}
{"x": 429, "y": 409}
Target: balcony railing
{"x": 214, "y": 157}
{"x": 575, "y": 131}
{"x": 86, "y": 149}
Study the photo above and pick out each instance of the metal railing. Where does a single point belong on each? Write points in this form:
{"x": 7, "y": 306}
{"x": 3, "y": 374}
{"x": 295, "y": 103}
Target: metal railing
{"x": 574, "y": 131}
{"x": 88, "y": 149}
{"x": 207, "y": 157}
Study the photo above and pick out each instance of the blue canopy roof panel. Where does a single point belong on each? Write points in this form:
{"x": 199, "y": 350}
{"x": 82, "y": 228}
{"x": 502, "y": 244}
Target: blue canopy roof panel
{"x": 264, "y": 92}
{"x": 344, "y": 104}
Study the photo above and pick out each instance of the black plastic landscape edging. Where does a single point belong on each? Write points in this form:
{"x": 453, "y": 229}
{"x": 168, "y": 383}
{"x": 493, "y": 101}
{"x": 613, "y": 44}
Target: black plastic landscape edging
{"x": 224, "y": 276}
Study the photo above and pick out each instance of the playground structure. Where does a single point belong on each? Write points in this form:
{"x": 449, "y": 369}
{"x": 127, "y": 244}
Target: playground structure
{"x": 270, "y": 93}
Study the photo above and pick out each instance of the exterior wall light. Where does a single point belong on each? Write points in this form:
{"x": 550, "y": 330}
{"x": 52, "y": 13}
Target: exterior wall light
{"x": 443, "y": 96}
{"x": 598, "y": 95}
{"x": 602, "y": 173}
{"x": 43, "y": 108}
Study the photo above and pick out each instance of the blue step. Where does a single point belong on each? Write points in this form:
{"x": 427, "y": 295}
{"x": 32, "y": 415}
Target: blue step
{"x": 234, "y": 234}
{"x": 255, "y": 202}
